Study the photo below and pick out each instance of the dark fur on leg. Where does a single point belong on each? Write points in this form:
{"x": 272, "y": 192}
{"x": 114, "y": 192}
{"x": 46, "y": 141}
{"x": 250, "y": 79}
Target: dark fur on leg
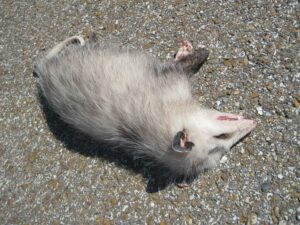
{"x": 189, "y": 64}
{"x": 193, "y": 62}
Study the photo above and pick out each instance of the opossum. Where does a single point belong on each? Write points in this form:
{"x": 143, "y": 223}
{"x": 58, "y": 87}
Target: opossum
{"x": 136, "y": 102}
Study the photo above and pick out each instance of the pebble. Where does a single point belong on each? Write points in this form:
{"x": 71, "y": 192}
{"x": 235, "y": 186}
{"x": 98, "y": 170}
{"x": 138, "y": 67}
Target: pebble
{"x": 298, "y": 214}
{"x": 223, "y": 159}
{"x": 106, "y": 222}
{"x": 298, "y": 97}
{"x": 259, "y": 110}
{"x": 252, "y": 219}
{"x": 254, "y": 94}
{"x": 230, "y": 62}
{"x": 237, "y": 92}
{"x": 245, "y": 61}
{"x": 282, "y": 222}
{"x": 269, "y": 86}
{"x": 276, "y": 211}
{"x": 296, "y": 103}
{"x": 265, "y": 186}
{"x": 280, "y": 176}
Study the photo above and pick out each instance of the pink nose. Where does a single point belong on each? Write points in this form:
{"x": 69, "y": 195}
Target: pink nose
{"x": 230, "y": 118}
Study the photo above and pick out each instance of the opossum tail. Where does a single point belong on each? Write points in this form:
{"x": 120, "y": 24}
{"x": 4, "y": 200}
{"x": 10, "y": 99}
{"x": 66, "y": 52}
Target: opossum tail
{"x": 57, "y": 49}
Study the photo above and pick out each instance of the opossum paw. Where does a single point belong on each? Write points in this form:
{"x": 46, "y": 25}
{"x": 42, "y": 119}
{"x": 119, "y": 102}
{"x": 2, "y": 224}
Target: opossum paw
{"x": 92, "y": 37}
{"x": 185, "y": 49}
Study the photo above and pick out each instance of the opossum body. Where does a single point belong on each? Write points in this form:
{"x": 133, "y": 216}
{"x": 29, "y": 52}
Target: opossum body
{"x": 134, "y": 101}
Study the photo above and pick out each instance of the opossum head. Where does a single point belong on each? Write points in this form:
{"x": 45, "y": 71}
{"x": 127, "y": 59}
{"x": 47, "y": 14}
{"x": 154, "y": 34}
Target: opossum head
{"x": 206, "y": 135}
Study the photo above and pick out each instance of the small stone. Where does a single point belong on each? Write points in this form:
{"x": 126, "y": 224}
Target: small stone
{"x": 98, "y": 14}
{"x": 53, "y": 184}
{"x": 111, "y": 27}
{"x": 276, "y": 211}
{"x": 298, "y": 214}
{"x": 224, "y": 176}
{"x": 282, "y": 222}
{"x": 223, "y": 159}
{"x": 265, "y": 186}
{"x": 296, "y": 103}
{"x": 98, "y": 220}
{"x": 125, "y": 216}
{"x": 254, "y": 94}
{"x": 259, "y": 110}
{"x": 273, "y": 12}
{"x": 274, "y": 219}
{"x": 194, "y": 203}
{"x": 297, "y": 172}
{"x": 32, "y": 156}
{"x": 236, "y": 92}
{"x": 290, "y": 211}
{"x": 269, "y": 86}
{"x": 245, "y": 61}
{"x": 162, "y": 223}
{"x": 280, "y": 176}
{"x": 106, "y": 222}
{"x": 298, "y": 97}
{"x": 230, "y": 62}
{"x": 146, "y": 46}
{"x": 252, "y": 219}
{"x": 150, "y": 220}
{"x": 113, "y": 202}
{"x": 172, "y": 216}
{"x": 55, "y": 222}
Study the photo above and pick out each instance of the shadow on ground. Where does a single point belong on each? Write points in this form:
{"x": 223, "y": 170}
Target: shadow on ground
{"x": 76, "y": 141}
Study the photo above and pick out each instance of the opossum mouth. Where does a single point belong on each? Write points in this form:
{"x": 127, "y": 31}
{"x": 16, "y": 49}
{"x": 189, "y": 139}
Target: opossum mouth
{"x": 228, "y": 118}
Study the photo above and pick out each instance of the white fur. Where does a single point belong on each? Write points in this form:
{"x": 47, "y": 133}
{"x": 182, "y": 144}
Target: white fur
{"x": 125, "y": 97}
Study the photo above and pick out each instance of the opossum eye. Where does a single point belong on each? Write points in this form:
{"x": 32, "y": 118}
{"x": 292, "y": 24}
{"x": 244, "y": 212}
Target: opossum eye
{"x": 180, "y": 142}
{"x": 223, "y": 136}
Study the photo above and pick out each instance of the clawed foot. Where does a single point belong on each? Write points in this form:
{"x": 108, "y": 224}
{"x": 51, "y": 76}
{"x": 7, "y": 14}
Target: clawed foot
{"x": 185, "y": 49}
{"x": 190, "y": 60}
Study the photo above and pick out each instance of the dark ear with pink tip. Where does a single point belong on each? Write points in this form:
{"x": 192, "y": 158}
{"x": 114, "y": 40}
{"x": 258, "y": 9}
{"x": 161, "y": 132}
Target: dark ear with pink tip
{"x": 180, "y": 142}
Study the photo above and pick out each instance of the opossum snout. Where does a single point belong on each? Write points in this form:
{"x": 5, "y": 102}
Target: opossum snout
{"x": 240, "y": 120}
{"x": 226, "y": 118}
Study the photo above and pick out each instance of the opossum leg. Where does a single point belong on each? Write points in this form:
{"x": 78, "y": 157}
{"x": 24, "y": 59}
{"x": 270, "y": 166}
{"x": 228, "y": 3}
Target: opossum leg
{"x": 191, "y": 63}
{"x": 187, "y": 59}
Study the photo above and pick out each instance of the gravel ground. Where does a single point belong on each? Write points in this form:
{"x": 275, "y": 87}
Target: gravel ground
{"x": 49, "y": 174}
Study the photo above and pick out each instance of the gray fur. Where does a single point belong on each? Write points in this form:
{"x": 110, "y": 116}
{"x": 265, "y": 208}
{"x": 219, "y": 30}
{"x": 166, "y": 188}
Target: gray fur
{"x": 133, "y": 100}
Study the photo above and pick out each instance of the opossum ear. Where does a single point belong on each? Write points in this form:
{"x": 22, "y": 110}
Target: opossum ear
{"x": 180, "y": 142}
{"x": 92, "y": 38}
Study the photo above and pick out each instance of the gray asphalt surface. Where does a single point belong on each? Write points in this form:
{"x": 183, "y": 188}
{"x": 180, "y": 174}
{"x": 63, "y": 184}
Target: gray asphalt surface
{"x": 50, "y": 174}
